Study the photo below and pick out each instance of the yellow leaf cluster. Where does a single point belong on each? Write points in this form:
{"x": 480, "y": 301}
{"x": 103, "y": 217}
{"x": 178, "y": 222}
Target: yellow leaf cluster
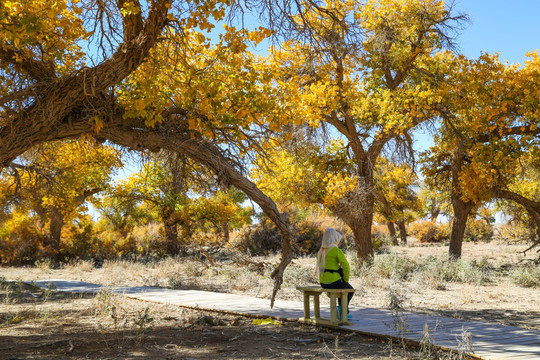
{"x": 218, "y": 85}
{"x": 337, "y": 186}
{"x": 47, "y": 30}
{"x": 60, "y": 173}
{"x": 130, "y": 8}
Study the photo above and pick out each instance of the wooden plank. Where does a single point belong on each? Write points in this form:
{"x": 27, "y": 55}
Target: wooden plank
{"x": 489, "y": 355}
{"x": 503, "y": 340}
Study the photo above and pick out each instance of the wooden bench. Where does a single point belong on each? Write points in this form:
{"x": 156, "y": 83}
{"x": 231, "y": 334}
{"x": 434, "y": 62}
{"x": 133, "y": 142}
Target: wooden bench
{"x": 334, "y": 294}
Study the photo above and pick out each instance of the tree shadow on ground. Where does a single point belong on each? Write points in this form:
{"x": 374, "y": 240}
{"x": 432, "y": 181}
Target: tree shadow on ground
{"x": 509, "y": 317}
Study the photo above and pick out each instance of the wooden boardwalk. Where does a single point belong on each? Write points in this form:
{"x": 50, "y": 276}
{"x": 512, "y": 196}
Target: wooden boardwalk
{"x": 487, "y": 341}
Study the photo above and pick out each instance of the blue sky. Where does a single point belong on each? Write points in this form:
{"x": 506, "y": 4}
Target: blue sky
{"x": 510, "y": 27}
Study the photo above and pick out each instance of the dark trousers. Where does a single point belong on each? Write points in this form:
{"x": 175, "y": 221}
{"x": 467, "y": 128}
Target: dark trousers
{"x": 340, "y": 284}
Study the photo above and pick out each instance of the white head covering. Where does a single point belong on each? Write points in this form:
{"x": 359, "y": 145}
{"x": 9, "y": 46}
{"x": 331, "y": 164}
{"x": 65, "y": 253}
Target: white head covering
{"x": 330, "y": 239}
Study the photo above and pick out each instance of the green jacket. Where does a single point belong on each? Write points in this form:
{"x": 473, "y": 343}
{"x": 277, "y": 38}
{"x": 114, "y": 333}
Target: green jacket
{"x": 334, "y": 258}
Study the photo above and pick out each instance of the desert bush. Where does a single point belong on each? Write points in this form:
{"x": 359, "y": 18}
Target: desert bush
{"x": 380, "y": 237}
{"x": 105, "y": 301}
{"x": 249, "y": 280}
{"x": 77, "y": 265}
{"x": 308, "y": 235}
{"x": 297, "y": 274}
{"x": 79, "y": 240}
{"x": 176, "y": 273}
{"x": 265, "y": 239}
{"x": 514, "y": 233}
{"x": 526, "y": 276}
{"x": 107, "y": 239}
{"x": 261, "y": 239}
{"x": 309, "y": 230}
{"x": 393, "y": 266}
{"x": 435, "y": 272}
{"x": 238, "y": 278}
{"x": 22, "y": 241}
{"x": 429, "y": 231}
{"x": 125, "y": 247}
{"x": 478, "y": 230}
{"x": 149, "y": 240}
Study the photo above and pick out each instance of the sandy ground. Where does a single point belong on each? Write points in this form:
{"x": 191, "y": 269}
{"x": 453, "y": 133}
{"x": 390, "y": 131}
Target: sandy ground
{"x": 37, "y": 324}
{"x": 44, "y": 324}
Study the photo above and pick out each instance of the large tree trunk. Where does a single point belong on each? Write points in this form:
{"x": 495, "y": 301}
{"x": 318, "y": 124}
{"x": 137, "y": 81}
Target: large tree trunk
{"x": 177, "y": 167}
{"x": 461, "y": 207}
{"x": 462, "y": 210}
{"x": 355, "y": 208}
{"x": 402, "y": 232}
{"x": 362, "y": 236}
{"x": 392, "y": 230}
{"x": 55, "y": 229}
{"x": 170, "y": 227}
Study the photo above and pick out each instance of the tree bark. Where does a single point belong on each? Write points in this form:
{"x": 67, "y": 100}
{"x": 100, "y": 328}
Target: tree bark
{"x": 362, "y": 236}
{"x": 461, "y": 207}
{"x": 171, "y": 231}
{"x": 55, "y": 229}
{"x": 177, "y": 168}
{"x": 462, "y": 210}
{"x": 356, "y": 209}
{"x": 402, "y": 232}
{"x": 226, "y": 232}
{"x": 57, "y": 221}
{"x": 54, "y": 98}
{"x": 531, "y": 206}
{"x": 392, "y": 230}
{"x": 387, "y": 213}
{"x": 434, "y": 210}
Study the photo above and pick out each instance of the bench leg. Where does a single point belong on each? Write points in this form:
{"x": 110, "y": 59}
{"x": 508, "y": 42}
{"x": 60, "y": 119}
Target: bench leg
{"x": 344, "y": 307}
{"x": 317, "y": 306}
{"x": 306, "y": 306}
{"x": 333, "y": 309}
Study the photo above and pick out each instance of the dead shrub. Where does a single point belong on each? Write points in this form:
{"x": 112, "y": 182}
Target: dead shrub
{"x": 265, "y": 238}
{"x": 526, "y": 276}
{"x": 261, "y": 239}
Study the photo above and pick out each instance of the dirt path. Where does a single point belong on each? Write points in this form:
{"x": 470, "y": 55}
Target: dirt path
{"x": 51, "y": 325}
{"x": 101, "y": 326}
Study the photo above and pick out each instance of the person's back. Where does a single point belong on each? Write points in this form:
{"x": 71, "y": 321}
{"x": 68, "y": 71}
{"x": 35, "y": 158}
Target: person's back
{"x": 332, "y": 265}
{"x": 336, "y": 267}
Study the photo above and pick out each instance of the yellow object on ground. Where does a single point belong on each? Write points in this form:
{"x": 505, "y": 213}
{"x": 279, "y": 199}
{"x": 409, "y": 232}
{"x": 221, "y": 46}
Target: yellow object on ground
{"x": 266, "y": 321}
